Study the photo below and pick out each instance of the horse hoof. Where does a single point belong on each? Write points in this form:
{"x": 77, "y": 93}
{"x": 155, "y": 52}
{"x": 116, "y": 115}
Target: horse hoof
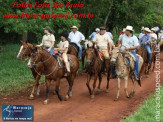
{"x": 31, "y": 97}
{"x": 92, "y": 96}
{"x": 98, "y": 90}
{"x": 67, "y": 97}
{"x": 147, "y": 76}
{"x": 107, "y": 91}
{"x": 128, "y": 96}
{"x": 70, "y": 95}
{"x": 46, "y": 102}
{"x": 116, "y": 99}
{"x": 60, "y": 98}
{"x": 132, "y": 94}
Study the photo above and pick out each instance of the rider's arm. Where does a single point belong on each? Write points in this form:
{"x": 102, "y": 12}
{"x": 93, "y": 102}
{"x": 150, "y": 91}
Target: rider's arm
{"x": 82, "y": 37}
{"x": 61, "y": 49}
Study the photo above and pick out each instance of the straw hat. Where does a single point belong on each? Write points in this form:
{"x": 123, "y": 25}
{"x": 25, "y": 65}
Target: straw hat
{"x": 130, "y": 28}
{"x": 124, "y": 29}
{"x": 97, "y": 29}
{"x": 142, "y": 28}
{"x": 147, "y": 30}
{"x": 74, "y": 27}
{"x": 153, "y": 29}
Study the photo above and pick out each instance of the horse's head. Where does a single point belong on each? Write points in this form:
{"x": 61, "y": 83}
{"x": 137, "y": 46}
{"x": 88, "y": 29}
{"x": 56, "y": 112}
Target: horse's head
{"x": 91, "y": 52}
{"x": 114, "y": 55}
{"x": 24, "y": 51}
{"x": 35, "y": 58}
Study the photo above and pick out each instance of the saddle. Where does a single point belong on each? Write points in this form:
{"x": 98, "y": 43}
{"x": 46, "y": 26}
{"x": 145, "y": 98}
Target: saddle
{"x": 61, "y": 62}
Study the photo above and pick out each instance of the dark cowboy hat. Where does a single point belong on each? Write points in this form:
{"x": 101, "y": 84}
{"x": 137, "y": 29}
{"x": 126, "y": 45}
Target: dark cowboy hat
{"x": 48, "y": 28}
{"x": 102, "y": 28}
{"x": 64, "y": 34}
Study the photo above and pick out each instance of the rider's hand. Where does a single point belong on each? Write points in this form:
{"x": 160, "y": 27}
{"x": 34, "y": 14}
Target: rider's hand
{"x": 38, "y": 45}
{"x": 48, "y": 50}
{"x": 127, "y": 49}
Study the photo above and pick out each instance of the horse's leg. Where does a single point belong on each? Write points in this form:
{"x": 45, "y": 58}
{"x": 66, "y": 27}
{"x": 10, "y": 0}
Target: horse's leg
{"x": 126, "y": 84}
{"x": 94, "y": 86}
{"x": 100, "y": 78}
{"x": 118, "y": 88}
{"x": 57, "y": 89}
{"x": 70, "y": 81}
{"x": 133, "y": 88}
{"x": 83, "y": 56}
{"x": 34, "y": 85}
{"x": 108, "y": 78}
{"x": 47, "y": 91}
{"x": 154, "y": 61}
{"x": 87, "y": 84}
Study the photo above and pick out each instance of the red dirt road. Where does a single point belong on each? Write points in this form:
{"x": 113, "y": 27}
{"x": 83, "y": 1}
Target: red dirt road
{"x": 81, "y": 108}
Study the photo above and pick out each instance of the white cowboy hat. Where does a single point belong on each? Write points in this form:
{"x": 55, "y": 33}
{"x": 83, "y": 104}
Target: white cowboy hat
{"x": 142, "y": 28}
{"x": 130, "y": 28}
{"x": 74, "y": 27}
{"x": 147, "y": 30}
{"x": 124, "y": 29}
{"x": 97, "y": 29}
{"x": 153, "y": 29}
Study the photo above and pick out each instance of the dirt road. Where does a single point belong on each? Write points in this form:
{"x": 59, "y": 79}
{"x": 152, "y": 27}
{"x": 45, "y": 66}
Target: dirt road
{"x": 81, "y": 108}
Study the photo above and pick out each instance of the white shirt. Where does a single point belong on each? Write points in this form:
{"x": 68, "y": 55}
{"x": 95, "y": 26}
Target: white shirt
{"x": 129, "y": 41}
{"x": 102, "y": 40}
{"x": 141, "y": 35}
{"x": 121, "y": 36}
{"x": 76, "y": 37}
{"x": 48, "y": 39}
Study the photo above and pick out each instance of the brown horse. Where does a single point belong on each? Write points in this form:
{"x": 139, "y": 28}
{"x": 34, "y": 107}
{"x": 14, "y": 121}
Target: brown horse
{"x": 94, "y": 68}
{"x": 53, "y": 70}
{"x": 145, "y": 68}
{"x": 24, "y": 52}
{"x": 73, "y": 49}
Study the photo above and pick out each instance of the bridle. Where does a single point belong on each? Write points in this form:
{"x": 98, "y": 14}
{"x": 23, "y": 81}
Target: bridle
{"x": 92, "y": 61}
{"x": 25, "y": 51}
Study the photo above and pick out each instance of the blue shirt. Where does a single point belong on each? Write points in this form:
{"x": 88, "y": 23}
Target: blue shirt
{"x": 146, "y": 38}
{"x": 92, "y": 36}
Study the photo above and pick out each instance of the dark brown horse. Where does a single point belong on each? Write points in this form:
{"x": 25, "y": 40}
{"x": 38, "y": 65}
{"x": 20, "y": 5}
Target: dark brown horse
{"x": 25, "y": 52}
{"x": 73, "y": 49}
{"x": 53, "y": 70}
{"x": 145, "y": 67}
{"x": 94, "y": 68}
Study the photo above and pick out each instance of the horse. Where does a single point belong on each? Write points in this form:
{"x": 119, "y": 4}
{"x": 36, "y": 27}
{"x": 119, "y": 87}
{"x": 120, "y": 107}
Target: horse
{"x": 124, "y": 71}
{"x": 146, "y": 66}
{"x": 73, "y": 49}
{"x": 94, "y": 68}
{"x": 54, "y": 70}
{"x": 25, "y": 52}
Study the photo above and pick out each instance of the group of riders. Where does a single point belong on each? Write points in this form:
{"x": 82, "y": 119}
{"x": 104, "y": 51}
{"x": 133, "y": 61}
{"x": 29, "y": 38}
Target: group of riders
{"x": 103, "y": 41}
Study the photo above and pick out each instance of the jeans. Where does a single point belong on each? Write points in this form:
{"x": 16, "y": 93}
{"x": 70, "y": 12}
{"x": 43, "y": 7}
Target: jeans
{"x": 147, "y": 47}
{"x": 136, "y": 66}
{"x": 80, "y": 49}
{"x": 51, "y": 51}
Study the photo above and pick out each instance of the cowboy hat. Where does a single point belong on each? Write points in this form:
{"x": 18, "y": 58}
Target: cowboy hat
{"x": 97, "y": 29}
{"x": 147, "y": 30}
{"x": 124, "y": 29}
{"x": 48, "y": 28}
{"x": 130, "y": 28}
{"x": 142, "y": 28}
{"x": 74, "y": 27}
{"x": 153, "y": 29}
{"x": 102, "y": 28}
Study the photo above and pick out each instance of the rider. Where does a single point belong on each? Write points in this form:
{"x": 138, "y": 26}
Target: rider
{"x": 146, "y": 40}
{"x": 141, "y": 34}
{"x": 92, "y": 36}
{"x": 63, "y": 48}
{"x": 48, "y": 40}
{"x": 102, "y": 40}
{"x": 129, "y": 42}
{"x": 154, "y": 36}
{"x": 76, "y": 37}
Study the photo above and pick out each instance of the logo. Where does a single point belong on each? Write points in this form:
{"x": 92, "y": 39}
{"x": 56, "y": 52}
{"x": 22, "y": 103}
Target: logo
{"x": 17, "y": 112}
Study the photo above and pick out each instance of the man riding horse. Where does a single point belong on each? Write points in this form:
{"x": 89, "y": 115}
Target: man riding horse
{"x": 146, "y": 41}
{"x": 104, "y": 42}
{"x": 129, "y": 42}
{"x": 76, "y": 37}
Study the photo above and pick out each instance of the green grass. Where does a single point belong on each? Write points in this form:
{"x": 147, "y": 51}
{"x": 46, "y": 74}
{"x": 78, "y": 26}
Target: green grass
{"x": 147, "y": 111}
{"x": 14, "y": 74}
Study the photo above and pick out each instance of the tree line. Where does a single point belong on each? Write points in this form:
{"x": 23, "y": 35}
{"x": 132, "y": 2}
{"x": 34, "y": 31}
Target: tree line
{"x": 113, "y": 14}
